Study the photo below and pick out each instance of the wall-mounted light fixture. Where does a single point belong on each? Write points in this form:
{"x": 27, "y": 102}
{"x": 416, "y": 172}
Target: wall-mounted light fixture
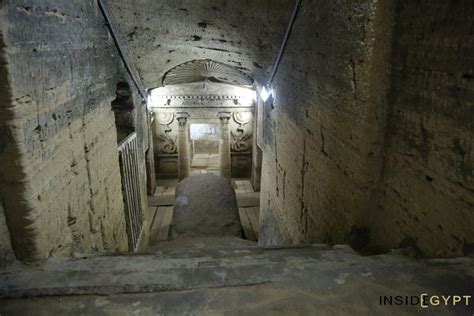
{"x": 266, "y": 93}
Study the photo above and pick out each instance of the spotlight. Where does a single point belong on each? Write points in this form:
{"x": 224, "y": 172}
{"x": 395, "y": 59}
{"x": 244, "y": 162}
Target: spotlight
{"x": 266, "y": 93}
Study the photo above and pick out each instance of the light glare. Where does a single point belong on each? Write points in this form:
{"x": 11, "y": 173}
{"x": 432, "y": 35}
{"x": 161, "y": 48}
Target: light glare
{"x": 265, "y": 94}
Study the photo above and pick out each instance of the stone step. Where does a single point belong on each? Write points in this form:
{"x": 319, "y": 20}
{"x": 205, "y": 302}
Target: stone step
{"x": 199, "y": 245}
{"x": 170, "y": 271}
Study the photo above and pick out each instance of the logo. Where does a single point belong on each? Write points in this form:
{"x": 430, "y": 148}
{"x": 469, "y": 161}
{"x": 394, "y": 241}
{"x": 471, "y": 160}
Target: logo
{"x": 425, "y": 300}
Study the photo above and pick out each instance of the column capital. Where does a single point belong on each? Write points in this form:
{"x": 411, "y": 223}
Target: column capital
{"x": 225, "y": 117}
{"x": 182, "y": 118}
{"x": 182, "y": 115}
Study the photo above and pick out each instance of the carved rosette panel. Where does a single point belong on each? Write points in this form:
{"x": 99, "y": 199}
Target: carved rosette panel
{"x": 167, "y": 138}
{"x": 241, "y": 132}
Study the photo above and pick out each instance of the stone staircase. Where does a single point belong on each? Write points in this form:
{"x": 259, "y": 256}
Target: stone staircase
{"x": 217, "y": 275}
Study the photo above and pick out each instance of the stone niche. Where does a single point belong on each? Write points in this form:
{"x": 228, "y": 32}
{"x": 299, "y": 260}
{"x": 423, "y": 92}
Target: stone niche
{"x": 202, "y": 103}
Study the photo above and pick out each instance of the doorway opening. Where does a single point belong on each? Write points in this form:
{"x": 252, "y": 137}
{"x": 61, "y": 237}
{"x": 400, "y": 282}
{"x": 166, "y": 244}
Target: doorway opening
{"x": 205, "y": 133}
{"x": 204, "y": 148}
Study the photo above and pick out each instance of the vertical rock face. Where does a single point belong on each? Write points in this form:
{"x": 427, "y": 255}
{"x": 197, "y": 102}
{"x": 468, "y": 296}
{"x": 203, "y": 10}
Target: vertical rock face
{"x": 371, "y": 128}
{"x": 322, "y": 135}
{"x": 6, "y": 251}
{"x": 60, "y": 181}
{"x": 206, "y": 205}
{"x": 429, "y": 171}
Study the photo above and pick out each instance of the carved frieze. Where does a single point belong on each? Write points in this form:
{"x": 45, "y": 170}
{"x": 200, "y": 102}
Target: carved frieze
{"x": 202, "y": 94}
{"x": 201, "y": 101}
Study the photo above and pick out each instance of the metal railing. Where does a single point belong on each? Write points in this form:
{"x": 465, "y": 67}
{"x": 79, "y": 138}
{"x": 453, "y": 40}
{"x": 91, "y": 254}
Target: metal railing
{"x": 128, "y": 157}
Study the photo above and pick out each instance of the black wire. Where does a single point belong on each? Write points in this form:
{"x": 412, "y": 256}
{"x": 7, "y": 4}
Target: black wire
{"x": 285, "y": 40}
{"x": 121, "y": 50}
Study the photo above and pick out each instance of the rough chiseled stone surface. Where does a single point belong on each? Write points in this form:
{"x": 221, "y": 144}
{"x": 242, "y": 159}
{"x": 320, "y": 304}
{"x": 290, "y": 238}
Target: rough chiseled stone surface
{"x": 160, "y": 35}
{"x": 322, "y": 135}
{"x": 6, "y": 251}
{"x": 60, "y": 179}
{"x": 429, "y": 169}
{"x": 372, "y": 128}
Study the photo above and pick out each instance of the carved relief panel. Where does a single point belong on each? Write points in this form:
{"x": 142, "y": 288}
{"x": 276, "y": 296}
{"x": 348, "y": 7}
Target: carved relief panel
{"x": 241, "y": 132}
{"x": 166, "y": 133}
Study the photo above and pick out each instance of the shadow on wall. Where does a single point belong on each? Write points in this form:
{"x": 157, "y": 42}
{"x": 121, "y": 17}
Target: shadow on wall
{"x": 428, "y": 177}
{"x": 6, "y": 251}
{"x": 124, "y": 111}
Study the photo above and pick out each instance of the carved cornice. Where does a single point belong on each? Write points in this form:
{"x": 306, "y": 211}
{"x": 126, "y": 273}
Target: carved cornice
{"x": 202, "y": 94}
{"x": 202, "y": 97}
{"x": 201, "y": 101}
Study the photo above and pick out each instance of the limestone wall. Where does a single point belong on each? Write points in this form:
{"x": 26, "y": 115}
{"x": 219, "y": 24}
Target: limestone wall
{"x": 60, "y": 180}
{"x": 371, "y": 129}
{"x": 322, "y": 135}
{"x": 6, "y": 251}
{"x": 429, "y": 171}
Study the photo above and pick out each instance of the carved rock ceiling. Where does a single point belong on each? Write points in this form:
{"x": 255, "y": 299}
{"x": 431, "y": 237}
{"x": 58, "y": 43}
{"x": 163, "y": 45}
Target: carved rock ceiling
{"x": 162, "y": 34}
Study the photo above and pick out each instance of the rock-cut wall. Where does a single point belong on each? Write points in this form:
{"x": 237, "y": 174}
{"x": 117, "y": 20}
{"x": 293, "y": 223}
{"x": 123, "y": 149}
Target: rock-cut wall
{"x": 429, "y": 170}
{"x": 323, "y": 133}
{"x": 59, "y": 176}
{"x": 371, "y": 130}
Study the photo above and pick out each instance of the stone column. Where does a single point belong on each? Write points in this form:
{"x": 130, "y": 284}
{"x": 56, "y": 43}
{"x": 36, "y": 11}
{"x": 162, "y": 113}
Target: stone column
{"x": 224, "y": 145}
{"x": 183, "y": 145}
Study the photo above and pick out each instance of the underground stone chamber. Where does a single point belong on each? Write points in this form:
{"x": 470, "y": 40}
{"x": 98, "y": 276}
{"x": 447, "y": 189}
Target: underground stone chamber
{"x": 341, "y": 132}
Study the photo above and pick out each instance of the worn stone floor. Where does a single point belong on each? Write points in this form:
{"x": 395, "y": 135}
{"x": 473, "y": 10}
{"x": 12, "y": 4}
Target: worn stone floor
{"x": 205, "y": 204}
{"x": 161, "y": 208}
{"x": 211, "y": 276}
